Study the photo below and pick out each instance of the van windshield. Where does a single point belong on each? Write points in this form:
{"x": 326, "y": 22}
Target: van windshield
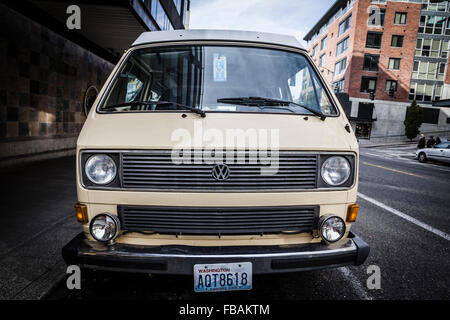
{"x": 216, "y": 79}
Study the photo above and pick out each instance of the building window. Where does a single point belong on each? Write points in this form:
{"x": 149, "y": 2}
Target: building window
{"x": 178, "y": 5}
{"x": 425, "y": 92}
{"x": 394, "y": 64}
{"x": 425, "y": 70}
{"x": 340, "y": 66}
{"x": 368, "y": 84}
{"x": 431, "y": 115}
{"x": 438, "y": 92}
{"x": 342, "y": 47}
{"x": 363, "y": 129}
{"x": 323, "y": 43}
{"x": 441, "y": 71}
{"x": 374, "y": 40}
{"x": 397, "y": 41}
{"x": 423, "y": 48}
{"x": 432, "y": 48}
{"x": 345, "y": 25}
{"x": 400, "y": 18}
{"x": 322, "y": 60}
{"x": 434, "y": 25}
{"x": 371, "y": 62}
{"x": 338, "y": 86}
{"x": 445, "y": 49}
{"x": 160, "y": 16}
{"x": 376, "y": 17}
{"x": 431, "y": 5}
{"x": 391, "y": 84}
{"x": 314, "y": 51}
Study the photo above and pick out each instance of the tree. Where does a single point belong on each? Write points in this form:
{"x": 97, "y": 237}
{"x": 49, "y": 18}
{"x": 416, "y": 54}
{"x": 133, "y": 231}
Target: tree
{"x": 413, "y": 121}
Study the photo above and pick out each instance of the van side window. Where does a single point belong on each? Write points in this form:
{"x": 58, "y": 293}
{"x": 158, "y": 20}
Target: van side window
{"x": 129, "y": 84}
{"x": 133, "y": 88}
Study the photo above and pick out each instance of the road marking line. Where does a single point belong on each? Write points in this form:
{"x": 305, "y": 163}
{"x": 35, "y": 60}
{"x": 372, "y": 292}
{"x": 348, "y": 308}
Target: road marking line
{"x": 406, "y": 217}
{"x": 410, "y": 159}
{"x": 355, "y": 283}
{"x": 375, "y": 155}
{"x": 401, "y": 156}
{"x": 393, "y": 170}
{"x": 430, "y": 165}
{"x": 396, "y": 188}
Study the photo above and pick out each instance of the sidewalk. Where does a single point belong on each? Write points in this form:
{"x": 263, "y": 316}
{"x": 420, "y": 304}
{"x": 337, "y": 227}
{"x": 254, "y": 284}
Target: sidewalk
{"x": 37, "y": 219}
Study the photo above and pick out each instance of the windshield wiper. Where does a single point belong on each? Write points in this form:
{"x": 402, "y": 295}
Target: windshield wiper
{"x": 146, "y": 103}
{"x": 260, "y": 101}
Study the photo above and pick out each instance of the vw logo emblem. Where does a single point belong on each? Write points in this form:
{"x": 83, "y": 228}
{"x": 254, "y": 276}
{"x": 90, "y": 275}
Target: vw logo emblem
{"x": 221, "y": 172}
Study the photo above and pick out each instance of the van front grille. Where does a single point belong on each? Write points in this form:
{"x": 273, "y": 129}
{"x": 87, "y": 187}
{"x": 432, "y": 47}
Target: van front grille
{"x": 155, "y": 170}
{"x": 218, "y": 221}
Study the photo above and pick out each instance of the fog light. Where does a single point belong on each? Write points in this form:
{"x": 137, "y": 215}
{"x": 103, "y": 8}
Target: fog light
{"x": 81, "y": 212}
{"x": 331, "y": 228}
{"x": 104, "y": 227}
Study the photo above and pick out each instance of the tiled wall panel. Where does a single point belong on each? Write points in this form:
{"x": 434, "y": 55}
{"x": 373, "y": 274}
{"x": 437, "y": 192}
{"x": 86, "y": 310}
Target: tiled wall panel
{"x": 43, "y": 79}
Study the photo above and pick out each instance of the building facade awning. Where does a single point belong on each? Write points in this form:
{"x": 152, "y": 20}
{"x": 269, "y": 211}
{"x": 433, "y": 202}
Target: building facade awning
{"x": 344, "y": 100}
{"x": 365, "y": 113}
{"x": 442, "y": 103}
{"x": 108, "y": 27}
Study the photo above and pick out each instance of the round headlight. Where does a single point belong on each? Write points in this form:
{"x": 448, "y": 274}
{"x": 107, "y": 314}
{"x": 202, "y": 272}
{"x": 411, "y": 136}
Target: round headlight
{"x": 100, "y": 169}
{"x": 104, "y": 227}
{"x": 335, "y": 171}
{"x": 332, "y": 228}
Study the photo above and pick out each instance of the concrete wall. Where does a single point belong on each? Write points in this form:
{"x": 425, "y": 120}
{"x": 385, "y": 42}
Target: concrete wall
{"x": 390, "y": 115}
{"x": 446, "y": 90}
{"x": 42, "y": 84}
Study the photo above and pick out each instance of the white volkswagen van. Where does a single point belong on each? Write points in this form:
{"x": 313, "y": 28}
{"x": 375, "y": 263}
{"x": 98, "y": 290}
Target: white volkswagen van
{"x": 216, "y": 154}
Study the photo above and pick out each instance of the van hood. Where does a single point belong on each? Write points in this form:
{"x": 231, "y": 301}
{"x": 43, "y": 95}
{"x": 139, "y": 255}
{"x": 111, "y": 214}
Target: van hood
{"x": 216, "y": 130}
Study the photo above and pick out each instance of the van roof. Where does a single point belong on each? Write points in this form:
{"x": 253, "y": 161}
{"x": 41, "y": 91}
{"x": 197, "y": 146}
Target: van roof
{"x": 219, "y": 35}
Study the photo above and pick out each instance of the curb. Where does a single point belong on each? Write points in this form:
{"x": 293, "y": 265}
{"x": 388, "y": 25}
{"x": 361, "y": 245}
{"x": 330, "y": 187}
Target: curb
{"x": 389, "y": 145}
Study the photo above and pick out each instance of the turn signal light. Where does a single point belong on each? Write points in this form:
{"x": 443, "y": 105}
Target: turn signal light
{"x": 81, "y": 211}
{"x": 352, "y": 212}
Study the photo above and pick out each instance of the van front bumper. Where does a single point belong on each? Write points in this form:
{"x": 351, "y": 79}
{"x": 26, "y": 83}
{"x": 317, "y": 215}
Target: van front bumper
{"x": 181, "y": 259}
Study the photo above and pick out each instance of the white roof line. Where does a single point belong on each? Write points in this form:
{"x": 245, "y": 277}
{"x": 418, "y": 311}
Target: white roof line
{"x": 219, "y": 35}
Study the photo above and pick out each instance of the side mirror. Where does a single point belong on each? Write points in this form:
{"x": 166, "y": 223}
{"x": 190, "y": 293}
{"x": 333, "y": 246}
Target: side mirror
{"x": 89, "y": 97}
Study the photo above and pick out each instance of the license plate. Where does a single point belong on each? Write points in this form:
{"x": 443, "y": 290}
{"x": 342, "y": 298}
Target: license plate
{"x": 223, "y": 277}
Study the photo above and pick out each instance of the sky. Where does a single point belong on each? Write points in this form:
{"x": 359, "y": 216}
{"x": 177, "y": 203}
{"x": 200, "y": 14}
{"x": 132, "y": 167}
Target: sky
{"x": 293, "y": 17}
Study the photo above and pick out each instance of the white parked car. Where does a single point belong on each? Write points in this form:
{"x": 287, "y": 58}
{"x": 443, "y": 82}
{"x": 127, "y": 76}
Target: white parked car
{"x": 440, "y": 152}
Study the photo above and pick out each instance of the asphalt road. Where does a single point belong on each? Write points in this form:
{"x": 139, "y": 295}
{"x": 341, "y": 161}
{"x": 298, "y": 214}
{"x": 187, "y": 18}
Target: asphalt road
{"x": 404, "y": 216}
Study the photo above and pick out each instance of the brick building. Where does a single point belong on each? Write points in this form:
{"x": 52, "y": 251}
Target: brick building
{"x": 379, "y": 55}
{"x": 47, "y": 68}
